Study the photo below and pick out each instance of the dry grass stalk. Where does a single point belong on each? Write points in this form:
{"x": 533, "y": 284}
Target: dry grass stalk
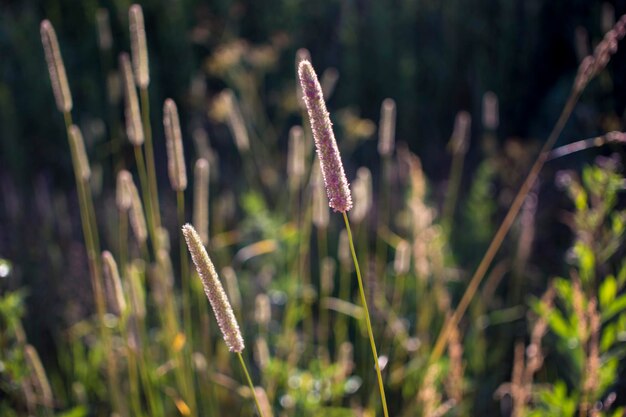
{"x": 77, "y": 145}
{"x": 387, "y": 129}
{"x": 138, "y": 46}
{"x": 201, "y": 199}
{"x": 214, "y": 291}
{"x": 337, "y": 189}
{"x": 113, "y": 284}
{"x": 591, "y": 65}
{"x": 56, "y": 68}
{"x": 174, "y": 144}
{"x": 40, "y": 380}
{"x": 134, "y": 127}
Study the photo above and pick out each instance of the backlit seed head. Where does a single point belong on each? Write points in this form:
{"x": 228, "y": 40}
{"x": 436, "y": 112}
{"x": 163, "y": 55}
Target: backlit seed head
{"x": 174, "y": 144}
{"x": 332, "y": 168}
{"x": 56, "y": 68}
{"x": 77, "y": 145}
{"x": 138, "y": 46}
{"x": 214, "y": 291}
{"x": 134, "y": 128}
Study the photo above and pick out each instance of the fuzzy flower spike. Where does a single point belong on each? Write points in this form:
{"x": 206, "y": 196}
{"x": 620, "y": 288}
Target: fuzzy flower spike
{"x": 335, "y": 181}
{"x": 214, "y": 291}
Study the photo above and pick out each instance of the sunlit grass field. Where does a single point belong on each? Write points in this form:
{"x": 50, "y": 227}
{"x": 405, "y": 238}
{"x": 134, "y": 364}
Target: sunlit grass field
{"x": 265, "y": 266}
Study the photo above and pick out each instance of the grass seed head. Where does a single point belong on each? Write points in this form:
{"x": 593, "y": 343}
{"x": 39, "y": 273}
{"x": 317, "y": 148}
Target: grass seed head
{"x": 56, "y": 68}
{"x": 332, "y": 168}
{"x": 138, "y": 46}
{"x": 214, "y": 291}
{"x": 134, "y": 128}
{"x": 174, "y": 143}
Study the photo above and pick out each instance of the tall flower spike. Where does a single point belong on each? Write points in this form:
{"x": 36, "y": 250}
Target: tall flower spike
{"x": 174, "y": 144}
{"x": 134, "y": 128}
{"x": 56, "y": 68}
{"x": 214, "y": 291}
{"x": 332, "y": 168}
{"x": 138, "y": 46}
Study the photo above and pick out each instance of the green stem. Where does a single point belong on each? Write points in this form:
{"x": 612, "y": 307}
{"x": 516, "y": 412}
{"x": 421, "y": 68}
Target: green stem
{"x": 186, "y": 293}
{"x": 145, "y": 193}
{"x": 367, "y": 317}
{"x": 151, "y": 171}
{"x": 250, "y": 384}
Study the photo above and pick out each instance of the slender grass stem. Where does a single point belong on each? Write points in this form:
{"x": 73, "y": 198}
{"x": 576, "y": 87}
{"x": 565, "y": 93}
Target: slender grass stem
{"x": 367, "y": 316}
{"x": 250, "y": 384}
{"x": 92, "y": 243}
{"x": 506, "y": 224}
{"x": 186, "y": 299}
{"x": 145, "y": 193}
{"x": 151, "y": 171}
{"x": 452, "y": 194}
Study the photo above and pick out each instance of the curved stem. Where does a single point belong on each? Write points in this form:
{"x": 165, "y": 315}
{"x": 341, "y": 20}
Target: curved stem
{"x": 367, "y": 317}
{"x": 250, "y": 384}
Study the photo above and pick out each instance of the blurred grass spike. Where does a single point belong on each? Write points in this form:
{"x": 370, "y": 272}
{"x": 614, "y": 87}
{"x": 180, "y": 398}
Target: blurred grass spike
{"x": 78, "y": 147}
{"x": 174, "y": 144}
{"x": 136, "y": 215}
{"x": 113, "y": 284}
{"x": 387, "y": 129}
{"x": 214, "y": 290}
{"x": 134, "y": 128}
{"x": 138, "y": 46}
{"x": 201, "y": 200}
{"x": 56, "y": 68}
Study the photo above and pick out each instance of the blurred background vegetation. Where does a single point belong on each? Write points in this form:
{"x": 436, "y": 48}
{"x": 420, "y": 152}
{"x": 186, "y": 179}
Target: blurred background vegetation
{"x": 434, "y": 58}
